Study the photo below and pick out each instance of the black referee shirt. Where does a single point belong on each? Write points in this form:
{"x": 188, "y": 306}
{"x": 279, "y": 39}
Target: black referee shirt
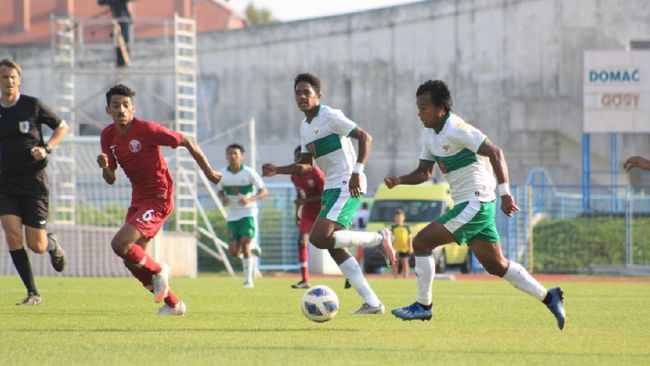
{"x": 20, "y": 130}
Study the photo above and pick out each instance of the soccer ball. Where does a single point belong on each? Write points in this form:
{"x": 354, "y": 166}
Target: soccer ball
{"x": 320, "y": 303}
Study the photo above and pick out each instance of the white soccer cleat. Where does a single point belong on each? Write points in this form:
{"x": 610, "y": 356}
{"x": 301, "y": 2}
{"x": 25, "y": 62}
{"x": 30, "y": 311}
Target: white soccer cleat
{"x": 386, "y": 246}
{"x": 366, "y": 309}
{"x": 179, "y": 309}
{"x": 31, "y": 299}
{"x": 248, "y": 284}
{"x": 161, "y": 283}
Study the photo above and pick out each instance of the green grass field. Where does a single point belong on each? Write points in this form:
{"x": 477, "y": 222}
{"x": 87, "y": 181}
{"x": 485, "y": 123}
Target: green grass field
{"x": 112, "y": 321}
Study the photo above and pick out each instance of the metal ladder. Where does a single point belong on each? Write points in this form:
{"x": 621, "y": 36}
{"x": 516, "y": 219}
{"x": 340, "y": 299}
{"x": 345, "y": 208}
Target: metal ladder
{"x": 185, "y": 64}
{"x": 63, "y": 49}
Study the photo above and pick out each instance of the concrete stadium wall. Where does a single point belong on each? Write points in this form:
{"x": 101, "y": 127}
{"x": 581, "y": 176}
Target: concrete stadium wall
{"x": 514, "y": 68}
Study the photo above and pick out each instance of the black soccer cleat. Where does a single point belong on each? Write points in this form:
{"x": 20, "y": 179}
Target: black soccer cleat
{"x": 57, "y": 255}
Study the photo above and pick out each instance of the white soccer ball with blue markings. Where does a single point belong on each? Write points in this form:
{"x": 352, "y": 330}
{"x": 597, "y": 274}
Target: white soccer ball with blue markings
{"x": 320, "y": 303}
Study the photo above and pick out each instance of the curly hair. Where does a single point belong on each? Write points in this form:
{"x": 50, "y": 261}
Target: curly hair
{"x": 309, "y": 79}
{"x": 438, "y": 92}
{"x": 119, "y": 89}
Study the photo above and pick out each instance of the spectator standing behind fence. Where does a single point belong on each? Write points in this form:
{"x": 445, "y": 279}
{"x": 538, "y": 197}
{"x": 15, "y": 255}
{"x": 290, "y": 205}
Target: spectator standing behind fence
{"x": 361, "y": 217}
{"x": 24, "y": 187}
{"x": 401, "y": 243}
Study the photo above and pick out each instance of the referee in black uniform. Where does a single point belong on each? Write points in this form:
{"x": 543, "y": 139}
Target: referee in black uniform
{"x": 24, "y": 189}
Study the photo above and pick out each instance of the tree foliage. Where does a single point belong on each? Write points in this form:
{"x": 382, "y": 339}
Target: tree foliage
{"x": 258, "y": 15}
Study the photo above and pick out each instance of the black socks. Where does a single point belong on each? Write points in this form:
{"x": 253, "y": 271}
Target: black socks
{"x": 24, "y": 268}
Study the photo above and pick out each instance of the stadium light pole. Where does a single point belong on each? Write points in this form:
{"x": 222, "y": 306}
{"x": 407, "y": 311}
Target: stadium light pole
{"x": 613, "y": 142}
{"x": 252, "y": 143}
{"x": 586, "y": 173}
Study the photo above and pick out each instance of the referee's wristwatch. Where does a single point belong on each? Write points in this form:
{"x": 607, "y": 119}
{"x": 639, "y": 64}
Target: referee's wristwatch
{"x": 48, "y": 149}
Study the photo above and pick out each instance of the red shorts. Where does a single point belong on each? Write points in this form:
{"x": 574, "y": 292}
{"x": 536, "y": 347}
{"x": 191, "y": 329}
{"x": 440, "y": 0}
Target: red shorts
{"x": 148, "y": 216}
{"x": 306, "y": 223}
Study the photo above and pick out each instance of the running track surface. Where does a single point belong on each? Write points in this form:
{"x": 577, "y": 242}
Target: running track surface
{"x": 487, "y": 277}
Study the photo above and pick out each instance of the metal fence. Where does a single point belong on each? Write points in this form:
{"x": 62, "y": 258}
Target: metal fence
{"x": 551, "y": 233}
{"x": 612, "y": 237}
{"x": 277, "y": 234}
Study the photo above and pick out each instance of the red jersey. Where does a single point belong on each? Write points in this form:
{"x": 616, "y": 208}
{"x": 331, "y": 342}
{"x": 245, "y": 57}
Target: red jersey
{"x": 138, "y": 153}
{"x": 309, "y": 185}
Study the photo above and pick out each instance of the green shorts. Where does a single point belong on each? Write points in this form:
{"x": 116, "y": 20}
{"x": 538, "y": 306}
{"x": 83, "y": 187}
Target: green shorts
{"x": 337, "y": 205}
{"x": 242, "y": 227}
{"x": 471, "y": 220}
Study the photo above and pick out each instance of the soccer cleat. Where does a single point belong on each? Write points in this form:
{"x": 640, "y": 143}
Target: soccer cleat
{"x": 161, "y": 283}
{"x": 57, "y": 256}
{"x": 414, "y": 311}
{"x": 386, "y": 246}
{"x": 367, "y": 309}
{"x": 556, "y": 306}
{"x": 248, "y": 284}
{"x": 179, "y": 309}
{"x": 301, "y": 284}
{"x": 347, "y": 284}
{"x": 31, "y": 299}
{"x": 256, "y": 270}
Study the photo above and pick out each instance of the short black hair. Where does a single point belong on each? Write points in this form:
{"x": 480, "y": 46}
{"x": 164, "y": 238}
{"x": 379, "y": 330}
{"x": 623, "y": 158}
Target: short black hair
{"x": 297, "y": 150}
{"x": 438, "y": 92}
{"x": 119, "y": 89}
{"x": 309, "y": 79}
{"x": 236, "y": 146}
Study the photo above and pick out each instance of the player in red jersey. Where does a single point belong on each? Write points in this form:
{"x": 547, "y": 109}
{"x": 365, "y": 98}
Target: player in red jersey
{"x": 309, "y": 186}
{"x": 134, "y": 144}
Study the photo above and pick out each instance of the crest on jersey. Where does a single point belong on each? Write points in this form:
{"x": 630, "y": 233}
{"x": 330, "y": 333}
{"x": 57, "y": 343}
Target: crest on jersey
{"x": 135, "y": 146}
{"x": 23, "y": 126}
{"x": 316, "y": 131}
{"x": 311, "y": 183}
{"x": 445, "y": 147}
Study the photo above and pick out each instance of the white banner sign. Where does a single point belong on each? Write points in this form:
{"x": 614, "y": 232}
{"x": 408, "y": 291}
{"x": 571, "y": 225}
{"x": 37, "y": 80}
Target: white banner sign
{"x": 616, "y": 91}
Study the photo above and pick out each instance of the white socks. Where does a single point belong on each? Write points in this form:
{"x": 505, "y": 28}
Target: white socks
{"x": 249, "y": 268}
{"x": 521, "y": 279}
{"x": 346, "y": 238}
{"x": 425, "y": 270}
{"x": 352, "y": 272}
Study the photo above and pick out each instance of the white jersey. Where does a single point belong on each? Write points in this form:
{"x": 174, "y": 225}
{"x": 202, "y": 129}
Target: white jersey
{"x": 243, "y": 183}
{"x": 326, "y": 138}
{"x": 470, "y": 175}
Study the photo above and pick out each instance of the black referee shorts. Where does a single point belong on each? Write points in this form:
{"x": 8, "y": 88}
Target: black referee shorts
{"x": 26, "y": 197}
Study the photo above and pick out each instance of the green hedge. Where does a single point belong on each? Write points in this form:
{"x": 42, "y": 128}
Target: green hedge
{"x": 570, "y": 245}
